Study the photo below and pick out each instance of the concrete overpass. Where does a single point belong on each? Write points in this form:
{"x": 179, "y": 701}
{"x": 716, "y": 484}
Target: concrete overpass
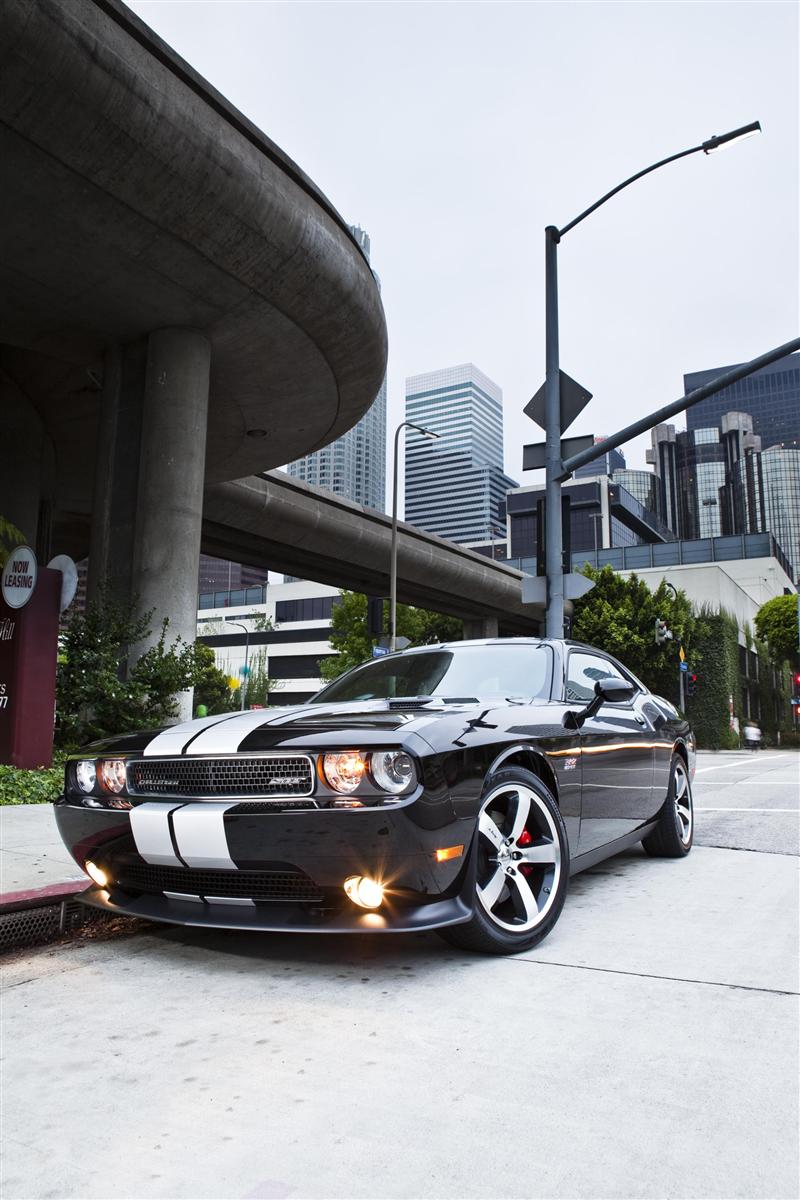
{"x": 282, "y": 523}
{"x": 179, "y": 303}
{"x": 181, "y": 309}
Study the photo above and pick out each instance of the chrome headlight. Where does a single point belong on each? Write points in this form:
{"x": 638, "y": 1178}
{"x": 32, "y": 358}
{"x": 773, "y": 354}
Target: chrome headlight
{"x": 344, "y": 771}
{"x": 86, "y": 775}
{"x": 393, "y": 770}
{"x": 112, "y": 774}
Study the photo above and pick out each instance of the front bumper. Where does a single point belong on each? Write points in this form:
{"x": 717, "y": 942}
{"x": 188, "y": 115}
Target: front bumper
{"x": 393, "y": 917}
{"x": 240, "y": 888}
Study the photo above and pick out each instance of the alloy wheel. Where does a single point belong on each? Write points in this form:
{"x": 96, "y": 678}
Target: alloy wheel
{"x": 684, "y": 809}
{"x": 519, "y": 858}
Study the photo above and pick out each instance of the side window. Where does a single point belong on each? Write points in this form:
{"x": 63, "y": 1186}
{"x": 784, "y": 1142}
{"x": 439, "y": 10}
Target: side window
{"x": 583, "y": 671}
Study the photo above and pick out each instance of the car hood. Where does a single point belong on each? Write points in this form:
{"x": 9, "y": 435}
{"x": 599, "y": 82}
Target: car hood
{"x": 370, "y": 722}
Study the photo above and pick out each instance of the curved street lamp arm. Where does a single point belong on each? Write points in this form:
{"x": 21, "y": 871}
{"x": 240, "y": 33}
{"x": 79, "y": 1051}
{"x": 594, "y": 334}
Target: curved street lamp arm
{"x": 672, "y": 158}
{"x": 707, "y": 147}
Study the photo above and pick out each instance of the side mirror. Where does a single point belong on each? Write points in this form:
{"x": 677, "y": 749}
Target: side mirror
{"x": 608, "y": 690}
{"x": 611, "y": 690}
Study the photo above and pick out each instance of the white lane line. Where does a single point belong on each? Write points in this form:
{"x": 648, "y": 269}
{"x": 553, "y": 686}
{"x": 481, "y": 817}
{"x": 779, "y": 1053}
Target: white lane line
{"x": 744, "y": 762}
{"x": 756, "y": 783}
{"x": 793, "y": 811}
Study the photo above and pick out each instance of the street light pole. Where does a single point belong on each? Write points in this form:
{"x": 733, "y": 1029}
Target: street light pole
{"x": 554, "y": 534}
{"x": 393, "y": 569}
{"x": 246, "y": 655}
{"x": 554, "y": 553}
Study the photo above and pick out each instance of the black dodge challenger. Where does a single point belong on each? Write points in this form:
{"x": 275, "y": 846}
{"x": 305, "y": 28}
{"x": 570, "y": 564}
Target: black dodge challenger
{"x": 452, "y": 787}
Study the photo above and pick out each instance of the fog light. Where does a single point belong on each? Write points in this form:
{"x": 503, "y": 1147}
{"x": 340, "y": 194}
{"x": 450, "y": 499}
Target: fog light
{"x": 366, "y": 893}
{"x": 96, "y": 873}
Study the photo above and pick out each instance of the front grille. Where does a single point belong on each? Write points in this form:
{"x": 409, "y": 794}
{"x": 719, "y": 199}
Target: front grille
{"x": 288, "y": 884}
{"x": 244, "y": 775}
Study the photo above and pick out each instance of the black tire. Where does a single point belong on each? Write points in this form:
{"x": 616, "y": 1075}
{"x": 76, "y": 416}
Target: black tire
{"x": 534, "y": 869}
{"x": 674, "y": 833}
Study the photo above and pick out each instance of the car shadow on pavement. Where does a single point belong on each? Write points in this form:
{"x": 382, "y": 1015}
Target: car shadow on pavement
{"x": 390, "y": 952}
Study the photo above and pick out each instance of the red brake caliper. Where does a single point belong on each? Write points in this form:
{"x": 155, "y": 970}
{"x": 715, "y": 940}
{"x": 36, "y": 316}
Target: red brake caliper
{"x": 523, "y": 840}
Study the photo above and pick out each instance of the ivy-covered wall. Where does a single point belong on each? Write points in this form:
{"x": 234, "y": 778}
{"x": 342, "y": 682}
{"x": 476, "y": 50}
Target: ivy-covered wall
{"x": 714, "y": 657}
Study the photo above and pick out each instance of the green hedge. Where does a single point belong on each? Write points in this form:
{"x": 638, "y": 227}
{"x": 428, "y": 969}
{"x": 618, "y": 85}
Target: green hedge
{"x": 31, "y": 787}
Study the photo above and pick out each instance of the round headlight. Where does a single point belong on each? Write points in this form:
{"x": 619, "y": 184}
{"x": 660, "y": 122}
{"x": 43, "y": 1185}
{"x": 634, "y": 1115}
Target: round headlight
{"x": 112, "y": 774}
{"x": 393, "y": 770}
{"x": 86, "y": 775}
{"x": 344, "y": 771}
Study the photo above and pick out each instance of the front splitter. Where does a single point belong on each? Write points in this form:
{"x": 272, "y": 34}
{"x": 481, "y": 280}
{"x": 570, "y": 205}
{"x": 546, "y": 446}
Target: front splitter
{"x": 280, "y": 918}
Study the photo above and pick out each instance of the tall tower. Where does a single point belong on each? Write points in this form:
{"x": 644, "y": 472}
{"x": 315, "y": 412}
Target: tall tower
{"x": 455, "y": 486}
{"x": 354, "y": 466}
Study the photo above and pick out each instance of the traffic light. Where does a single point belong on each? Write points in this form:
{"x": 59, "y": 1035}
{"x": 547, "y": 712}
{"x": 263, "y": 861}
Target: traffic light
{"x": 375, "y": 616}
{"x": 692, "y": 682}
{"x": 662, "y": 632}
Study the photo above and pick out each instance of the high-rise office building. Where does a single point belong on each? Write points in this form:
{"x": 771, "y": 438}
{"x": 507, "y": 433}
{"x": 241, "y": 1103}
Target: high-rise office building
{"x": 718, "y": 481}
{"x": 354, "y": 466}
{"x": 455, "y": 485}
{"x": 771, "y": 396}
{"x": 606, "y": 464}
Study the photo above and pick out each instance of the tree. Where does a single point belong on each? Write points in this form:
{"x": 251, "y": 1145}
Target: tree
{"x": 776, "y": 624}
{"x": 10, "y": 538}
{"x": 97, "y": 694}
{"x": 349, "y": 634}
{"x": 619, "y": 616}
{"x": 211, "y": 687}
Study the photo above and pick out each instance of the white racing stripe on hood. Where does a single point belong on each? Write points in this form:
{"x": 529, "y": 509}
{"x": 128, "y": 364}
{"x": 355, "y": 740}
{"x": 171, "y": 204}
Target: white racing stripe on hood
{"x": 200, "y": 834}
{"x": 173, "y": 740}
{"x": 226, "y": 738}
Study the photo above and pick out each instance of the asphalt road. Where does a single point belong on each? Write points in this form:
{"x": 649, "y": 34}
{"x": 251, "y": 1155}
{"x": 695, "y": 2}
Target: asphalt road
{"x": 647, "y": 1049}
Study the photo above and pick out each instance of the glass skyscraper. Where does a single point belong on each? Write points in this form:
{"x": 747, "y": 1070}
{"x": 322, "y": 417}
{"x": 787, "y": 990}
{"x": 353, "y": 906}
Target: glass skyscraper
{"x": 771, "y": 396}
{"x": 455, "y": 486}
{"x": 354, "y": 466}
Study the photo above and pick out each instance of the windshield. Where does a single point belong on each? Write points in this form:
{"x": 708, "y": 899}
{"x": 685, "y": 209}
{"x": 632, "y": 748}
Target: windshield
{"x": 455, "y": 673}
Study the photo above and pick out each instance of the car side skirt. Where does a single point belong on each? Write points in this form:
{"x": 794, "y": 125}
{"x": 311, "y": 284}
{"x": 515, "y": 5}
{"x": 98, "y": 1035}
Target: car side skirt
{"x": 582, "y": 861}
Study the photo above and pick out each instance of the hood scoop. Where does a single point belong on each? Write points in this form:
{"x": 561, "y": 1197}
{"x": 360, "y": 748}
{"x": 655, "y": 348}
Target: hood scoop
{"x": 429, "y": 702}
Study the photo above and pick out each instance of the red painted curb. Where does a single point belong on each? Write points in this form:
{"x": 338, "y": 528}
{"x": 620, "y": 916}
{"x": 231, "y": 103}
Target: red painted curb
{"x": 51, "y": 893}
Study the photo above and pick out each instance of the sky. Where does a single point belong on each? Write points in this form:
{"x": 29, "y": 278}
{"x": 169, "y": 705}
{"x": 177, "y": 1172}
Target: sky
{"x": 455, "y": 132}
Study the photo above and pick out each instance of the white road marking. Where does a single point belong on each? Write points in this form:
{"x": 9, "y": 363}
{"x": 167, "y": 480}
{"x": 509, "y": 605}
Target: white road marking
{"x": 793, "y": 811}
{"x": 726, "y": 783}
{"x": 744, "y": 762}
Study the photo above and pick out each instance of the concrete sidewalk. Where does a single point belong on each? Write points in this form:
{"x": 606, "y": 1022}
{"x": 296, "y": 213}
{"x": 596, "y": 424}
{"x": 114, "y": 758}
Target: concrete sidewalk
{"x": 646, "y": 1049}
{"x": 32, "y": 855}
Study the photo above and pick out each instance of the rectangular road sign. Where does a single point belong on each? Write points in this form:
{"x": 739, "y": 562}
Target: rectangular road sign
{"x": 533, "y": 456}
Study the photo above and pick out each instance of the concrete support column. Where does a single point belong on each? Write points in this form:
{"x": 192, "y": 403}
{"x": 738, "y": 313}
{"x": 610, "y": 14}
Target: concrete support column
{"x": 481, "y": 627}
{"x": 116, "y": 478}
{"x": 27, "y": 470}
{"x": 169, "y": 509}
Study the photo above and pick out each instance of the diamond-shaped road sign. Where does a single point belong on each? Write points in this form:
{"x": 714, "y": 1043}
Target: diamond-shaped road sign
{"x": 574, "y": 399}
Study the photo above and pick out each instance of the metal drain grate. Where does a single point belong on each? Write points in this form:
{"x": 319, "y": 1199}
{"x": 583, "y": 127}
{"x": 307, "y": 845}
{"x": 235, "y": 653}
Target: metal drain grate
{"x": 42, "y": 923}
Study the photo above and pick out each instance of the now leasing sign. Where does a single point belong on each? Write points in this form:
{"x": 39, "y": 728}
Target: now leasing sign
{"x": 19, "y": 577}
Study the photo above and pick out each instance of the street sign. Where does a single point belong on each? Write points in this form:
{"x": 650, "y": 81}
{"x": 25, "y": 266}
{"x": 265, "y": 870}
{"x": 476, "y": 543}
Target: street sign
{"x": 534, "y": 588}
{"x": 533, "y": 456}
{"x": 379, "y": 651}
{"x": 574, "y": 399}
{"x": 684, "y": 666}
